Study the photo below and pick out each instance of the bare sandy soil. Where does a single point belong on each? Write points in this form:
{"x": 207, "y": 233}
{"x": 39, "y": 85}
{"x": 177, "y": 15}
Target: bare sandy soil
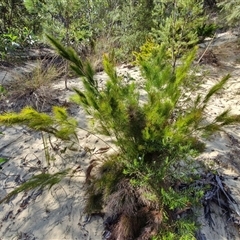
{"x": 58, "y": 213}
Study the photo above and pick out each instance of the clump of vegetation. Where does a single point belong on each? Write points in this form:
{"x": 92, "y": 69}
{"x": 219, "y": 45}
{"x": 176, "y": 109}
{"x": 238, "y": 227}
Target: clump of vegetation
{"x": 156, "y": 127}
{"x": 154, "y": 137}
{"x": 146, "y": 51}
{"x": 33, "y": 88}
{"x": 231, "y": 11}
{"x": 137, "y": 187}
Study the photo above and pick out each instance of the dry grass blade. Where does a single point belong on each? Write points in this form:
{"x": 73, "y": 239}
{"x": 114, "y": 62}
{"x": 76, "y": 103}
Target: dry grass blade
{"x": 123, "y": 230}
{"x": 124, "y": 200}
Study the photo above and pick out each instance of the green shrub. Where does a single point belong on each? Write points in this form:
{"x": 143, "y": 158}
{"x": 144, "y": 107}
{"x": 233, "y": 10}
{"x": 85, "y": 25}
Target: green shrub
{"x": 230, "y": 10}
{"x": 156, "y": 129}
{"x": 176, "y": 24}
{"x": 154, "y": 136}
{"x": 146, "y": 51}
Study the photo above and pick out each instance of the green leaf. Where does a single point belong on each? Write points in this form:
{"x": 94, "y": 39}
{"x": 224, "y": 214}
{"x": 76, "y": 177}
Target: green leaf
{"x": 217, "y": 87}
{"x": 3, "y": 160}
{"x": 39, "y": 181}
{"x": 2, "y": 89}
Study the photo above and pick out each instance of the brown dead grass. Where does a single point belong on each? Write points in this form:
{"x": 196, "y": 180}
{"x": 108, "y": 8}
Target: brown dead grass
{"x": 138, "y": 216}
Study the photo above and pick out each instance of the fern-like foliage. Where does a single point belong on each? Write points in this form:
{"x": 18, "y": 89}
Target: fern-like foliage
{"x": 153, "y": 136}
{"x": 162, "y": 127}
{"x": 58, "y": 124}
{"x": 39, "y": 181}
{"x": 231, "y": 10}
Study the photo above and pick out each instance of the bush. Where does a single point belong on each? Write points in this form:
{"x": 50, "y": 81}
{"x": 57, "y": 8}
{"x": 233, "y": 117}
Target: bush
{"x": 231, "y": 11}
{"x": 176, "y": 24}
{"x": 146, "y": 51}
{"x": 156, "y": 132}
{"x": 154, "y": 137}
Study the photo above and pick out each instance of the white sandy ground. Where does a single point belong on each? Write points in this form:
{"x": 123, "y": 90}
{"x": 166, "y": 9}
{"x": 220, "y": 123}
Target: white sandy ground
{"x": 59, "y": 213}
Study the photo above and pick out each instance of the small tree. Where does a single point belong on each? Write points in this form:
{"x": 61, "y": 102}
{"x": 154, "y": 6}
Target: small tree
{"x": 231, "y": 11}
{"x": 176, "y": 25}
{"x": 155, "y": 127}
{"x": 17, "y": 27}
{"x": 153, "y": 137}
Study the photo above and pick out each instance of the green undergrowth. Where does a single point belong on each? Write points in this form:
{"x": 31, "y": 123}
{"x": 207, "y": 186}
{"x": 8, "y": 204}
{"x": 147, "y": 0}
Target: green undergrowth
{"x": 139, "y": 187}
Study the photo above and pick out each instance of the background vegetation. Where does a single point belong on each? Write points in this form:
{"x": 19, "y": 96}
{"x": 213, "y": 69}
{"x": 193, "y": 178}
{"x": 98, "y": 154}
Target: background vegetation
{"x": 97, "y": 26}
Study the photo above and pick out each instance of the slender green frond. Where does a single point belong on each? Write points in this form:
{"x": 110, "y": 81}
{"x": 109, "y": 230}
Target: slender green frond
{"x": 216, "y": 88}
{"x": 109, "y": 68}
{"x": 89, "y": 73}
{"x": 222, "y": 116}
{"x": 79, "y": 97}
{"x": 39, "y": 181}
{"x": 77, "y": 70}
{"x": 228, "y": 120}
{"x": 60, "y": 113}
{"x": 27, "y": 116}
{"x": 183, "y": 69}
{"x": 69, "y": 54}
{"x": 60, "y": 124}
{"x": 210, "y": 128}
